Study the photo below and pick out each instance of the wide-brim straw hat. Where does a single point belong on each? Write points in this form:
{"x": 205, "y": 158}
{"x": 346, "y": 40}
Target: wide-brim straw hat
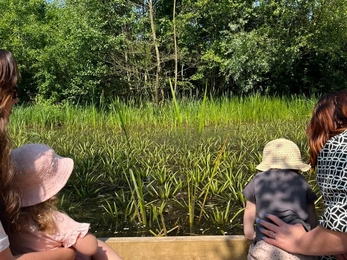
{"x": 282, "y": 154}
{"x": 39, "y": 173}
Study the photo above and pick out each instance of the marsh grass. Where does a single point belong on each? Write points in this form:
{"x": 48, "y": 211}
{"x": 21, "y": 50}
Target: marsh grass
{"x": 172, "y": 169}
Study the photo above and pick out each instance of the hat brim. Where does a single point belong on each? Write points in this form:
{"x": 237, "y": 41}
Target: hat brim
{"x": 34, "y": 195}
{"x": 301, "y": 167}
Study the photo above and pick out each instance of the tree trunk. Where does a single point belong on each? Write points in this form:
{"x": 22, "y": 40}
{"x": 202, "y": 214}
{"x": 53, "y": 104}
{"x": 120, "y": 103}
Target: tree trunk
{"x": 151, "y": 17}
{"x": 175, "y": 44}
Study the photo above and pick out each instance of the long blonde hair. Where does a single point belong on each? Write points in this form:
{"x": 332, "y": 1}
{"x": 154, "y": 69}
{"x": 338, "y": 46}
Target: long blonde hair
{"x": 41, "y": 214}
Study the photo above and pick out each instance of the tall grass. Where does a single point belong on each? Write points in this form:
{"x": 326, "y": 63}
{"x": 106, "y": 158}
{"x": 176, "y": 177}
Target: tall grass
{"x": 174, "y": 168}
{"x": 169, "y": 115}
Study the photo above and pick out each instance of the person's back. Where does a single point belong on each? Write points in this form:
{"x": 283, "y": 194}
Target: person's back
{"x": 284, "y": 193}
{"x": 281, "y": 190}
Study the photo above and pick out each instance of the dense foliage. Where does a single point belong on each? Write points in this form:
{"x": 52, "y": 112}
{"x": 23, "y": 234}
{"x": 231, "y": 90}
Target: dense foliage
{"x": 94, "y": 51}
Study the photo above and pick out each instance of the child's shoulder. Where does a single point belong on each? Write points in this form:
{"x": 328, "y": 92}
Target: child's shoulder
{"x": 60, "y": 216}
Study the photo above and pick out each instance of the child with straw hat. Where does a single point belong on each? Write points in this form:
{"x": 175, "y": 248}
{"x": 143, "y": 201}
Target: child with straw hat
{"x": 281, "y": 190}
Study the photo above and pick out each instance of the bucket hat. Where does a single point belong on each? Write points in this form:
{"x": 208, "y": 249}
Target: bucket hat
{"x": 282, "y": 154}
{"x": 39, "y": 173}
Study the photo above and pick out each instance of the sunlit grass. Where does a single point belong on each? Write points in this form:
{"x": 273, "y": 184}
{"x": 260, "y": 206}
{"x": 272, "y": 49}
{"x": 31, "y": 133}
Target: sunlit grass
{"x": 255, "y": 109}
{"x": 179, "y": 169}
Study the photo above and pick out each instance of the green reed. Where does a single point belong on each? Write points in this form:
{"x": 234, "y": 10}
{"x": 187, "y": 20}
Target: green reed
{"x": 256, "y": 109}
{"x": 174, "y": 168}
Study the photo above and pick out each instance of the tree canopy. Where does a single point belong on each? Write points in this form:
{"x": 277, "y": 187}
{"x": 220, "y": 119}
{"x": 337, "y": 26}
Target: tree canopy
{"x": 92, "y": 50}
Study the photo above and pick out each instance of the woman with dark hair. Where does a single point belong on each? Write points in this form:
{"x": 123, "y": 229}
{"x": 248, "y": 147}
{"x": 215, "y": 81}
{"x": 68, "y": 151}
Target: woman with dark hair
{"x": 327, "y": 138}
{"x": 9, "y": 199}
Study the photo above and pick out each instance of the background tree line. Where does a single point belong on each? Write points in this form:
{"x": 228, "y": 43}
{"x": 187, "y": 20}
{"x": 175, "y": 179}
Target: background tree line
{"x": 95, "y": 50}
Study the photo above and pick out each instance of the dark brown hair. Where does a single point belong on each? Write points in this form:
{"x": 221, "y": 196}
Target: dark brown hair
{"x": 9, "y": 200}
{"x": 329, "y": 118}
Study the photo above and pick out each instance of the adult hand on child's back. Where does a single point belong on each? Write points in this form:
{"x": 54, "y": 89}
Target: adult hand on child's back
{"x": 282, "y": 235}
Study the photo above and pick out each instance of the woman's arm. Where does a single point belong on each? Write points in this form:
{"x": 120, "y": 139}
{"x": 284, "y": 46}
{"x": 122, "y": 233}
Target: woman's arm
{"x": 57, "y": 254}
{"x": 88, "y": 245}
{"x": 249, "y": 217}
{"x": 294, "y": 238}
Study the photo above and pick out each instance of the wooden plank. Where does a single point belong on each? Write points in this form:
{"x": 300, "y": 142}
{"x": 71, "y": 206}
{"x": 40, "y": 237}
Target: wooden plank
{"x": 180, "y": 248}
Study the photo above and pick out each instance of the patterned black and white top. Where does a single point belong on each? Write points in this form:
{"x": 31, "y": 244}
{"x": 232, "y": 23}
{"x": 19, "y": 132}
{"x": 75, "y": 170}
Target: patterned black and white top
{"x": 332, "y": 180}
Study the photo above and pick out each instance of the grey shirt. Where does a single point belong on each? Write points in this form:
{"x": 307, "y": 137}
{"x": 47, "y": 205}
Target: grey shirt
{"x": 284, "y": 193}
